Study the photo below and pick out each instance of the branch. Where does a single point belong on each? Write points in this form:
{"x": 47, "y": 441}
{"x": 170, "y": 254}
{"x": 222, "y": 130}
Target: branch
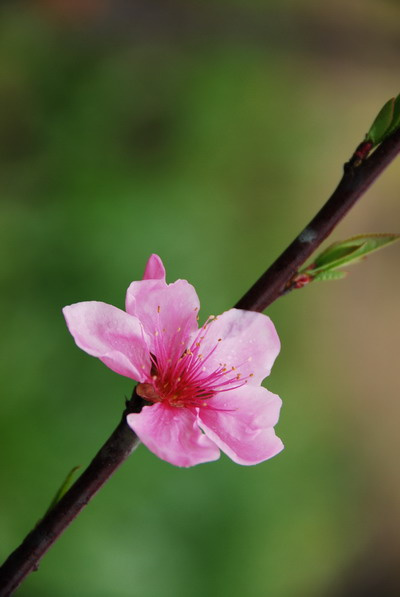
{"x": 358, "y": 176}
{"x": 26, "y": 557}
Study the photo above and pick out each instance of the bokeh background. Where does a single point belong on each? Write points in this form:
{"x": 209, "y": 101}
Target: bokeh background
{"x": 210, "y": 133}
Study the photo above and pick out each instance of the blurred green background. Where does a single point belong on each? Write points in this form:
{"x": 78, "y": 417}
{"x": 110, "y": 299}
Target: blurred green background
{"x": 210, "y": 133}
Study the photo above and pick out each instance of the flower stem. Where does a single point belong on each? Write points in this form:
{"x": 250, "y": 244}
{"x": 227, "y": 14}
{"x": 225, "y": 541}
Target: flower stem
{"x": 358, "y": 176}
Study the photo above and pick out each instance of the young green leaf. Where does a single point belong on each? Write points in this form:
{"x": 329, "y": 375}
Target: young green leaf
{"x": 347, "y": 252}
{"x": 386, "y": 122}
{"x": 66, "y": 484}
{"x": 338, "y": 253}
{"x": 329, "y": 275}
{"x": 396, "y": 116}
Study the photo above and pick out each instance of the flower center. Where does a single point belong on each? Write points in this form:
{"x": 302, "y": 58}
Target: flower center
{"x": 183, "y": 379}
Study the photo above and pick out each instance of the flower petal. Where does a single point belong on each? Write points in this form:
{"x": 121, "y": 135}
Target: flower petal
{"x": 241, "y": 423}
{"x": 245, "y": 340}
{"x": 169, "y": 311}
{"x": 155, "y": 269}
{"x": 173, "y": 435}
{"x": 112, "y": 335}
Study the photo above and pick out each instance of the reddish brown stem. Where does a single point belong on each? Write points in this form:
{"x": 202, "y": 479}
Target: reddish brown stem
{"x": 355, "y": 181}
{"x": 26, "y": 557}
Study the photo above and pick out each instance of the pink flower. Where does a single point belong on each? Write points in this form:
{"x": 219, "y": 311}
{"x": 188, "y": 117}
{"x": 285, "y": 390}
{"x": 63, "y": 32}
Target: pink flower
{"x": 202, "y": 385}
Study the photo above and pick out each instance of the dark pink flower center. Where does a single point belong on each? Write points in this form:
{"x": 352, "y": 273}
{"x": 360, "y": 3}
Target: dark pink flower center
{"x": 180, "y": 376}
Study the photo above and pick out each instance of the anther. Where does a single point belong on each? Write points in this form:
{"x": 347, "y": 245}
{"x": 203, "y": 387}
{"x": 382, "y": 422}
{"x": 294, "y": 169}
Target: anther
{"x": 158, "y": 309}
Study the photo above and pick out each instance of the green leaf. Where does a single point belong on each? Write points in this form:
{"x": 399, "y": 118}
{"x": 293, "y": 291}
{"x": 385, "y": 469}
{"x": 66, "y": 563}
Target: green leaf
{"x": 329, "y": 275}
{"x": 66, "y": 484}
{"x": 387, "y": 121}
{"x": 396, "y": 116}
{"x": 347, "y": 252}
{"x": 381, "y": 123}
{"x": 336, "y": 254}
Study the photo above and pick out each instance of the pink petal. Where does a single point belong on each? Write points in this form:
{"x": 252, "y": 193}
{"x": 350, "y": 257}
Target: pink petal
{"x": 173, "y": 435}
{"x": 154, "y": 269}
{"x": 242, "y": 423}
{"x": 112, "y": 335}
{"x": 245, "y": 340}
{"x": 169, "y": 311}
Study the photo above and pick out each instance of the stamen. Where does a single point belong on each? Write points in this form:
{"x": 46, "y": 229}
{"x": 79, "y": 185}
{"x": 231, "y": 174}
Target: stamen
{"x": 180, "y": 378}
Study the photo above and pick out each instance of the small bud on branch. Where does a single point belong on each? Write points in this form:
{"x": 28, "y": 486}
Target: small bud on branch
{"x": 327, "y": 265}
{"x": 357, "y": 178}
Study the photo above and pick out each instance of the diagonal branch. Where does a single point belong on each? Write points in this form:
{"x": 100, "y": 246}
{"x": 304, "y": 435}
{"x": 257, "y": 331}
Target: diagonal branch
{"x": 355, "y": 181}
{"x": 112, "y": 454}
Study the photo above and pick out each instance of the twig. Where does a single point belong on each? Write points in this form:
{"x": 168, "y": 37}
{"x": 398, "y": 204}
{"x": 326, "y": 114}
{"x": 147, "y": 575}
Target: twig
{"x": 356, "y": 180}
{"x": 26, "y": 557}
